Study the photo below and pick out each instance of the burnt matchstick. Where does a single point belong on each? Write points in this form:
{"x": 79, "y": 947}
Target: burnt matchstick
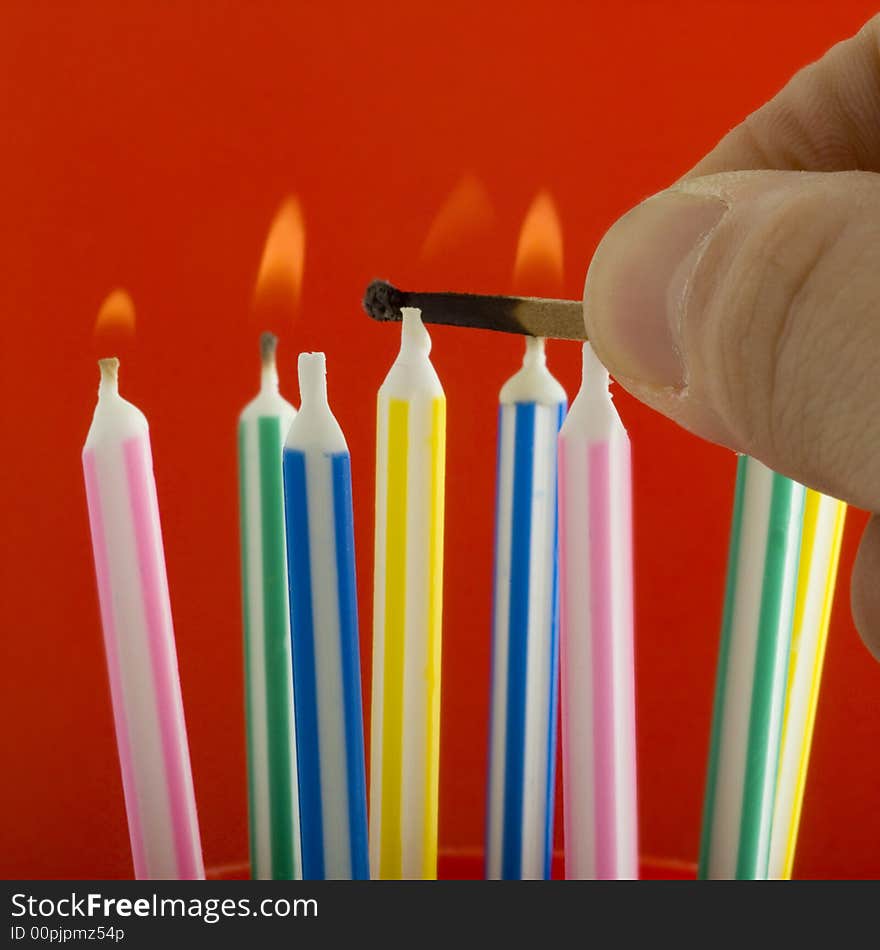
{"x": 531, "y": 316}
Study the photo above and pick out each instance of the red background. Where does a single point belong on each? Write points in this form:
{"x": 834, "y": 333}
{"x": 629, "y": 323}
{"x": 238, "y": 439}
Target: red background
{"x": 148, "y": 146}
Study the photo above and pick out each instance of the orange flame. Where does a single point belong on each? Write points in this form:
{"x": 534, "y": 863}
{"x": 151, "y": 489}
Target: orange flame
{"x": 466, "y": 212}
{"x": 116, "y": 312}
{"x": 279, "y": 280}
{"x": 538, "y": 269}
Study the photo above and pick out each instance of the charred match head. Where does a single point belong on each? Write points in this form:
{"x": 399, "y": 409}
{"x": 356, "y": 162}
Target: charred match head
{"x": 382, "y": 301}
{"x": 532, "y": 316}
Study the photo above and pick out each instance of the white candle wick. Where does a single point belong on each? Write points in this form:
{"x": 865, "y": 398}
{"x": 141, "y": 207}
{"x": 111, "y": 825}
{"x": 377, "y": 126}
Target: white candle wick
{"x": 269, "y": 375}
{"x": 535, "y": 354}
{"x": 594, "y": 376}
{"x": 312, "y": 368}
{"x": 109, "y": 377}
{"x": 414, "y": 338}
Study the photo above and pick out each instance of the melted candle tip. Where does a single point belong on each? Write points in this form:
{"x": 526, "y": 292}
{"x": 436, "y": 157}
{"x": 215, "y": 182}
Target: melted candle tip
{"x": 312, "y": 371}
{"x": 593, "y": 372}
{"x": 268, "y": 346}
{"x": 109, "y": 370}
{"x": 414, "y": 337}
{"x": 536, "y": 353}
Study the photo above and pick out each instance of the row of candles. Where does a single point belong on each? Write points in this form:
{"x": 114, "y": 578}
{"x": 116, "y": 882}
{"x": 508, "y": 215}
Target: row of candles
{"x": 782, "y": 567}
{"x": 562, "y": 625}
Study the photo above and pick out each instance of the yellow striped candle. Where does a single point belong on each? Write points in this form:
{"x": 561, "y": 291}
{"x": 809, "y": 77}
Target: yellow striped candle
{"x": 407, "y": 607}
{"x": 817, "y": 572}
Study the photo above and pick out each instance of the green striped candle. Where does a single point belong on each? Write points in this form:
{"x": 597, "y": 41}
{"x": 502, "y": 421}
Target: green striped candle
{"x": 273, "y": 801}
{"x": 752, "y": 666}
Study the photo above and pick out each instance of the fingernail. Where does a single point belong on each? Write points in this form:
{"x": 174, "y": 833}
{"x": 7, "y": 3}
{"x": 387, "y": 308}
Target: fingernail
{"x": 638, "y": 282}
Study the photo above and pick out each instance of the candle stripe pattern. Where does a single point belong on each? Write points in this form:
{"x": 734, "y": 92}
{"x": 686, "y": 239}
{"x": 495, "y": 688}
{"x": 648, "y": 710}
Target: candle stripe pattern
{"x": 752, "y": 669}
{"x": 435, "y": 621}
{"x": 271, "y": 742}
{"x": 821, "y": 540}
{"x": 160, "y": 634}
{"x": 408, "y": 590}
{"x": 114, "y": 668}
{"x": 324, "y": 631}
{"x": 139, "y": 643}
{"x": 597, "y": 679}
{"x": 525, "y": 644}
{"x": 394, "y": 629}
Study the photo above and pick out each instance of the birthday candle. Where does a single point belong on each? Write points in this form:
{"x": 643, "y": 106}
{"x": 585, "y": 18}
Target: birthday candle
{"x": 596, "y": 635}
{"x": 271, "y": 743}
{"x": 139, "y": 638}
{"x": 407, "y": 602}
{"x": 817, "y": 572}
{"x": 324, "y": 632}
{"x": 752, "y": 663}
{"x": 522, "y": 735}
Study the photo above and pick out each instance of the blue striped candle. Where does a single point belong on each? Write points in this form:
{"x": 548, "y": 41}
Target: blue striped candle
{"x": 522, "y": 741}
{"x": 324, "y": 636}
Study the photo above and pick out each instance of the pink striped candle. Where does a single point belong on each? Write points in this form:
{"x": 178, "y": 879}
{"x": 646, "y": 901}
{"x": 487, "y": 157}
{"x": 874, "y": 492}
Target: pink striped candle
{"x": 139, "y": 639}
{"x": 596, "y": 635}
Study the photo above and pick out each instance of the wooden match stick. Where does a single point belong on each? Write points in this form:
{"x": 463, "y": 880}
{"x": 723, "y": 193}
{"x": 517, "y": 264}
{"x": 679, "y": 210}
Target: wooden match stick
{"x": 531, "y": 316}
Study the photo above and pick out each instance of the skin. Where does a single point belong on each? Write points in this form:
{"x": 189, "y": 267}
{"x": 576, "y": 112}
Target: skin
{"x": 744, "y": 301}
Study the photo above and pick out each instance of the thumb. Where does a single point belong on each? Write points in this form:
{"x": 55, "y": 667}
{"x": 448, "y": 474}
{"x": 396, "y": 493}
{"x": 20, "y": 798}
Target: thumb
{"x": 746, "y": 306}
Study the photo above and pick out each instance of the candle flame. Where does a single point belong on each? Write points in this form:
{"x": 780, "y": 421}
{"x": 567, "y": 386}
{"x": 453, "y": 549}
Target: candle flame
{"x": 466, "y": 212}
{"x": 538, "y": 269}
{"x": 279, "y": 280}
{"x": 116, "y": 312}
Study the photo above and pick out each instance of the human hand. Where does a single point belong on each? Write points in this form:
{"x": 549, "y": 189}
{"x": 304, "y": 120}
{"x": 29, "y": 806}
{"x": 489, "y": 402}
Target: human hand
{"x": 744, "y": 301}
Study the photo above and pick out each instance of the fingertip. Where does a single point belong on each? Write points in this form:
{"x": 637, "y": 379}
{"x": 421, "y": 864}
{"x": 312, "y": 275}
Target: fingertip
{"x": 865, "y": 588}
{"x": 636, "y": 282}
